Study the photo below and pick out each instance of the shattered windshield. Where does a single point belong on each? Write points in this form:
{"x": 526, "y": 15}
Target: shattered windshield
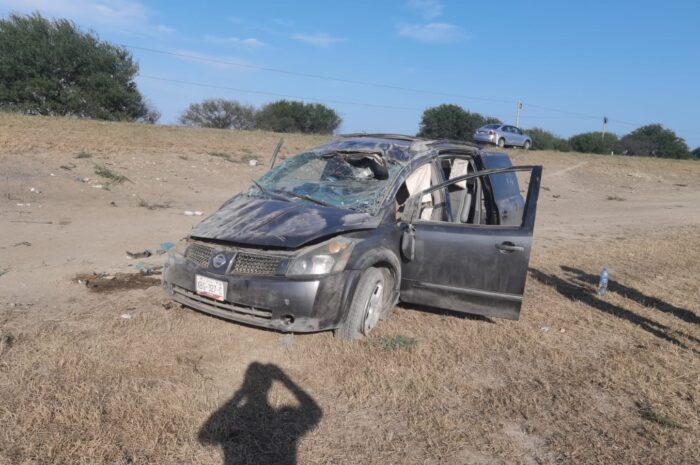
{"x": 348, "y": 180}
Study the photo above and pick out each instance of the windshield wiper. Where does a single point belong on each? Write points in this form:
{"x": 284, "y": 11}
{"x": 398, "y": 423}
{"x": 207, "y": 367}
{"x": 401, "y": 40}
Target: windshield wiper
{"x": 269, "y": 193}
{"x": 308, "y": 198}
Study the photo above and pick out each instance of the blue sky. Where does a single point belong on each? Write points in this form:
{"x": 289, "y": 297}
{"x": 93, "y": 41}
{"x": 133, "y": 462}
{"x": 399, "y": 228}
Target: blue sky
{"x": 637, "y": 62}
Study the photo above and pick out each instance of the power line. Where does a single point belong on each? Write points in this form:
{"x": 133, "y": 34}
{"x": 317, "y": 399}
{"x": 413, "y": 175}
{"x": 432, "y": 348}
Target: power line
{"x": 314, "y": 99}
{"x": 356, "y": 82}
{"x": 314, "y": 76}
{"x": 274, "y": 94}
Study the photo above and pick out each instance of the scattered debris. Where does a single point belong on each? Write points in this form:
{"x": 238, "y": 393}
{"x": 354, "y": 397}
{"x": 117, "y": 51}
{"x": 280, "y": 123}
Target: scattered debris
{"x": 69, "y": 166}
{"x": 556, "y": 196}
{"x": 24, "y": 204}
{"x": 125, "y": 316}
{"x": 545, "y": 328}
{"x": 193, "y": 213}
{"x": 286, "y": 340}
{"x": 31, "y": 221}
{"x": 2, "y": 272}
{"x": 83, "y": 154}
{"x": 134, "y": 255}
{"x": 28, "y": 244}
{"x": 168, "y": 305}
{"x": 34, "y": 190}
{"x": 681, "y": 185}
{"x": 615, "y": 197}
{"x": 113, "y": 203}
{"x": 6, "y": 340}
{"x": 253, "y": 162}
{"x": 103, "y": 171}
{"x": 163, "y": 248}
{"x": 97, "y": 186}
{"x": 148, "y": 270}
{"x": 103, "y": 282}
{"x": 81, "y": 179}
{"x": 562, "y": 330}
{"x": 153, "y": 206}
{"x": 225, "y": 156}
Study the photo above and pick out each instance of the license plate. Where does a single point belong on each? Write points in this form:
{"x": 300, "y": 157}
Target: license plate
{"x": 212, "y": 288}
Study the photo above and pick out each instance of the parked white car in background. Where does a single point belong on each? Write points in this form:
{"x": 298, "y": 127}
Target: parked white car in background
{"x": 502, "y": 135}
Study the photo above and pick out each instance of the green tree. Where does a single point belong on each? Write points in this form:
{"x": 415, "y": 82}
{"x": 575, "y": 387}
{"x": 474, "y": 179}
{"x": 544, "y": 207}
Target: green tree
{"x": 696, "y": 153}
{"x": 594, "y": 142}
{"x": 654, "y": 140}
{"x": 292, "y": 116}
{"x": 545, "y": 140}
{"x": 219, "y": 114}
{"x": 50, "y": 67}
{"x": 450, "y": 121}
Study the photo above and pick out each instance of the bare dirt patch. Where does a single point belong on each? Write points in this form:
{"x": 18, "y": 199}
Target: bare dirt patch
{"x": 117, "y": 282}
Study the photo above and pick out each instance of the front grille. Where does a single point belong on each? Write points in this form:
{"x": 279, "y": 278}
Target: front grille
{"x": 256, "y": 264}
{"x": 200, "y": 254}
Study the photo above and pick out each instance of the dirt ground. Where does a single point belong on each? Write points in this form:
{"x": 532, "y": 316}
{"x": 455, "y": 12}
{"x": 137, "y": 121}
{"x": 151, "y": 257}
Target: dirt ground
{"x": 124, "y": 376}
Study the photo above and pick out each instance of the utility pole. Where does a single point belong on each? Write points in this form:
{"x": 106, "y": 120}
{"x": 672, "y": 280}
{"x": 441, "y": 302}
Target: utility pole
{"x": 517, "y": 114}
{"x": 605, "y": 124}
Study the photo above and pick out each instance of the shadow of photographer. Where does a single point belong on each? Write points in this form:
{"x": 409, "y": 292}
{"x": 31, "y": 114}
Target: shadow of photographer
{"x": 251, "y": 431}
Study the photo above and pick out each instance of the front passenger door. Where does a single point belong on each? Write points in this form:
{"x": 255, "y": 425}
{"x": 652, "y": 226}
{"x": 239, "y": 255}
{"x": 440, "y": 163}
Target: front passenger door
{"x": 468, "y": 267}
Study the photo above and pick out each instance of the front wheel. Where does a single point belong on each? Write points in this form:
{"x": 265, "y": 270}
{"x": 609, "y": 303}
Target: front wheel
{"x": 501, "y": 142}
{"x": 367, "y": 306}
{"x": 526, "y": 145}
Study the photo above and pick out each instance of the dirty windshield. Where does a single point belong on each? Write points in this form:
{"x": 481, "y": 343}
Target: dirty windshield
{"x": 348, "y": 180}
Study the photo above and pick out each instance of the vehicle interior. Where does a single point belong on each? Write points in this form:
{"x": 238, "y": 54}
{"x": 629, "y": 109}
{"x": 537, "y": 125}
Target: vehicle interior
{"x": 464, "y": 202}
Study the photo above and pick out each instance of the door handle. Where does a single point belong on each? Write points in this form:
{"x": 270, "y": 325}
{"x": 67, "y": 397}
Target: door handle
{"x": 509, "y": 247}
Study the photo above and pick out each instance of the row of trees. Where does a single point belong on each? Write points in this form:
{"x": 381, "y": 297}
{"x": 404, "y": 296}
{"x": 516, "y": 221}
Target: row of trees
{"x": 279, "y": 116}
{"x": 50, "y": 67}
{"x": 453, "y": 122}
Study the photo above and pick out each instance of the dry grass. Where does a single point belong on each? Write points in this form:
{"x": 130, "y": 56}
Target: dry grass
{"x": 579, "y": 379}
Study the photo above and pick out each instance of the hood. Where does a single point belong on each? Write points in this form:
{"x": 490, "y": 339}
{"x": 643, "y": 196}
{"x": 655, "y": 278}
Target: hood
{"x": 276, "y": 223}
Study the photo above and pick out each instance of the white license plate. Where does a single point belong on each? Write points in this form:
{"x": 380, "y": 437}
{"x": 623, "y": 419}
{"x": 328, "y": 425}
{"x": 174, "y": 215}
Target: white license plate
{"x": 212, "y": 288}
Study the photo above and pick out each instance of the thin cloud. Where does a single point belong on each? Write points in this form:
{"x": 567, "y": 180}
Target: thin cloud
{"x": 428, "y": 9}
{"x": 434, "y": 33}
{"x": 112, "y": 15}
{"x": 250, "y": 42}
{"x": 319, "y": 39}
{"x": 213, "y": 61}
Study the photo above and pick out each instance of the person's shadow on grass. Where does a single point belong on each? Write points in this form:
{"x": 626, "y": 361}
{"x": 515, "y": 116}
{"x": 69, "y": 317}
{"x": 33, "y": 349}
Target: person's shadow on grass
{"x": 251, "y": 431}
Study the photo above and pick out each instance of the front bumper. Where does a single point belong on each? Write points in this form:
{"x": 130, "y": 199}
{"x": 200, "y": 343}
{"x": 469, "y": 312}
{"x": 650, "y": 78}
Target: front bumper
{"x": 275, "y": 302}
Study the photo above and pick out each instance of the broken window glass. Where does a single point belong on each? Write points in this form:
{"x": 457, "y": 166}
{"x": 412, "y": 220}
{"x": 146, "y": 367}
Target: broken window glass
{"x": 348, "y": 180}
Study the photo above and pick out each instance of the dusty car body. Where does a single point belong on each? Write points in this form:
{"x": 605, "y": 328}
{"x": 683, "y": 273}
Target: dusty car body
{"x": 334, "y": 237}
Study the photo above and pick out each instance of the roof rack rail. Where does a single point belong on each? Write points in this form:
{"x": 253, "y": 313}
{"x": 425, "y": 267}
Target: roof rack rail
{"x": 452, "y": 142}
{"x": 381, "y": 136}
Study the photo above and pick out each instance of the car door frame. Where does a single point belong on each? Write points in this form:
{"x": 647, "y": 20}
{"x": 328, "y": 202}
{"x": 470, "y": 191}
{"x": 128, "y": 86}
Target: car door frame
{"x": 472, "y": 299}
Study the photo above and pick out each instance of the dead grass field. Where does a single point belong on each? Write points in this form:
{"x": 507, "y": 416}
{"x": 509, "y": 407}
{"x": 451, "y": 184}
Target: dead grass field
{"x": 578, "y": 380}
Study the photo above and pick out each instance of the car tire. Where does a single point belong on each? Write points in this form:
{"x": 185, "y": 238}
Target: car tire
{"x": 501, "y": 142}
{"x": 526, "y": 145}
{"x": 366, "y": 307}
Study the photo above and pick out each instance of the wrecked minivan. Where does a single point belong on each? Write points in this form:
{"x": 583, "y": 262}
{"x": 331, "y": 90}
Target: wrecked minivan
{"x": 333, "y": 238}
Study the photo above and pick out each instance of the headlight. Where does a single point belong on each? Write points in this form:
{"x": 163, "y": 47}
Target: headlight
{"x": 328, "y": 257}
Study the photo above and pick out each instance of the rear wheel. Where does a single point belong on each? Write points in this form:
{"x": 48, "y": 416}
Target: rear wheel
{"x": 367, "y": 306}
{"x": 501, "y": 142}
{"x": 526, "y": 145}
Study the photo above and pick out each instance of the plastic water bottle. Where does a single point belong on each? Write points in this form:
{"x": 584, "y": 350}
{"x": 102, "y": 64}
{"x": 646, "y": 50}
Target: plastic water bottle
{"x": 603, "y": 283}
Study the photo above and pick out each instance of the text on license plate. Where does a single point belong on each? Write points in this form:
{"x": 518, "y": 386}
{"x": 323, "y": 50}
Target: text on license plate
{"x": 212, "y": 288}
